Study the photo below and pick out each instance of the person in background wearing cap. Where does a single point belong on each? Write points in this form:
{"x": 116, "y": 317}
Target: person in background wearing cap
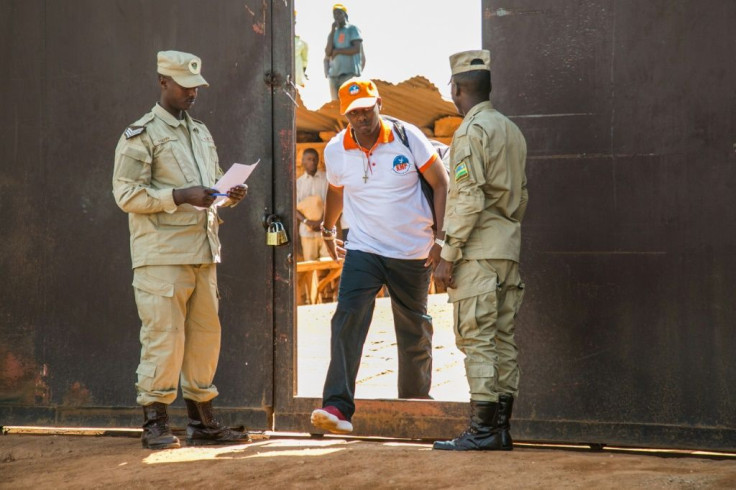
{"x": 480, "y": 256}
{"x": 374, "y": 178}
{"x": 344, "y": 57}
{"x": 165, "y": 166}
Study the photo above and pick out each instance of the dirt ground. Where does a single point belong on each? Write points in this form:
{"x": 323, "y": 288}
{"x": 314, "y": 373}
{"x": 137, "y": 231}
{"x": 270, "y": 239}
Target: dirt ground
{"x": 297, "y": 461}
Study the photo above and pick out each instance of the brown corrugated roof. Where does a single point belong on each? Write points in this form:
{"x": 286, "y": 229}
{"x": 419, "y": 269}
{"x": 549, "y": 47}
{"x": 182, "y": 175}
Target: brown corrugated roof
{"x": 416, "y": 101}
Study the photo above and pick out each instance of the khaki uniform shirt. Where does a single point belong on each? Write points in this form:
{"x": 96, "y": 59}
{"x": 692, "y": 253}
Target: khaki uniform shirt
{"x": 487, "y": 197}
{"x": 156, "y": 155}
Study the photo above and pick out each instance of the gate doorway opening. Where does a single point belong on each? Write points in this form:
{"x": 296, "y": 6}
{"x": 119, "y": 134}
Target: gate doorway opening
{"x": 377, "y": 376}
{"x": 411, "y": 69}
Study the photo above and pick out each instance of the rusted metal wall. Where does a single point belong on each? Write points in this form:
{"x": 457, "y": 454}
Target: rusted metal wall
{"x": 76, "y": 74}
{"x": 627, "y": 331}
{"x": 628, "y": 110}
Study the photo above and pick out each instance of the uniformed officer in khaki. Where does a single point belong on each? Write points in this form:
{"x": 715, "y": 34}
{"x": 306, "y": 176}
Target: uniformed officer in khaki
{"x": 480, "y": 257}
{"x": 165, "y": 166}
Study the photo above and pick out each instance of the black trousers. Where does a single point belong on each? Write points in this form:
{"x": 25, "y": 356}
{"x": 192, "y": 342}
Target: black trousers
{"x": 363, "y": 275}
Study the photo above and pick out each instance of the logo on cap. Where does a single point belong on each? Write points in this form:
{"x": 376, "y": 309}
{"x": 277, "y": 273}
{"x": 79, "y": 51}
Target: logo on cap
{"x": 354, "y": 89}
{"x": 194, "y": 67}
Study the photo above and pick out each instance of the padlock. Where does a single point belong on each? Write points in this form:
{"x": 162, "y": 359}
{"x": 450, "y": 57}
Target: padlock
{"x": 283, "y": 238}
{"x": 272, "y": 235}
{"x": 276, "y": 234}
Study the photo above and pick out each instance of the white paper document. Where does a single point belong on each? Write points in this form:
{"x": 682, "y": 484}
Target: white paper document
{"x": 235, "y": 175}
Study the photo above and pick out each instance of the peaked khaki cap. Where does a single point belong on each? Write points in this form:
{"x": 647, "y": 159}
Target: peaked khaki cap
{"x": 463, "y": 61}
{"x": 184, "y": 68}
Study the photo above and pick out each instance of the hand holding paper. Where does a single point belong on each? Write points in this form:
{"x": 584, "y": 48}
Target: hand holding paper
{"x": 236, "y": 175}
{"x": 234, "y": 195}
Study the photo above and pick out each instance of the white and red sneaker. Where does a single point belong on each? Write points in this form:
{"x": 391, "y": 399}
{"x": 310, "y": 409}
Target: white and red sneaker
{"x": 331, "y": 419}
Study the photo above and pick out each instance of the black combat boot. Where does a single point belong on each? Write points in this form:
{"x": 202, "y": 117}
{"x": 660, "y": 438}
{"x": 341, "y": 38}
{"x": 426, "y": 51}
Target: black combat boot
{"x": 483, "y": 433}
{"x": 203, "y": 428}
{"x": 505, "y": 405}
{"x": 156, "y": 431}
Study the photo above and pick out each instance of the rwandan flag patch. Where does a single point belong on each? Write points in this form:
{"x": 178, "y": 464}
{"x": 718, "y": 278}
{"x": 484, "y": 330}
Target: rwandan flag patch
{"x": 461, "y": 171}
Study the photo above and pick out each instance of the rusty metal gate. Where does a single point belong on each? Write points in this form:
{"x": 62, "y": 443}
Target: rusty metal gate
{"x": 629, "y": 254}
{"x": 76, "y": 74}
{"x": 630, "y": 244}
{"x": 626, "y": 334}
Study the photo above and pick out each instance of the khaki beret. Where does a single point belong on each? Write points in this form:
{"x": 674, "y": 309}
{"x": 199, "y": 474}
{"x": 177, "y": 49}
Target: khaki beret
{"x": 461, "y": 62}
{"x": 184, "y": 68}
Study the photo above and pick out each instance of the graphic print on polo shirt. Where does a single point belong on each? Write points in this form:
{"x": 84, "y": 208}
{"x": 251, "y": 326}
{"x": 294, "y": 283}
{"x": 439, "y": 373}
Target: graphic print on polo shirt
{"x": 401, "y": 165}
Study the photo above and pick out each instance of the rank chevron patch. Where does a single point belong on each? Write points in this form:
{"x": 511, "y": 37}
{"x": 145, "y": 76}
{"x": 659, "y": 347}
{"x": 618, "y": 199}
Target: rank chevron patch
{"x": 134, "y": 131}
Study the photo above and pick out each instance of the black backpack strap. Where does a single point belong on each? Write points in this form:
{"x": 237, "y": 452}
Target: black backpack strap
{"x": 426, "y": 188}
{"x": 399, "y": 128}
{"x": 401, "y": 132}
{"x": 441, "y": 148}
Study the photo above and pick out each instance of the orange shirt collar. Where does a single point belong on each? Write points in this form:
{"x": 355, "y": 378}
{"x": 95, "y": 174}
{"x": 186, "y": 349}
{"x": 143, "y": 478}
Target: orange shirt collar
{"x": 385, "y": 136}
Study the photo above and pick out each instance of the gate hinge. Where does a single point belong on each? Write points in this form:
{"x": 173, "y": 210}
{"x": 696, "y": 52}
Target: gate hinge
{"x": 273, "y": 79}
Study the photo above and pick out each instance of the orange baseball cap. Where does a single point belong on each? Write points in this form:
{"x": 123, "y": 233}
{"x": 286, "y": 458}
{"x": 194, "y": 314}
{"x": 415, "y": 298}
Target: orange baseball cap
{"x": 357, "y": 93}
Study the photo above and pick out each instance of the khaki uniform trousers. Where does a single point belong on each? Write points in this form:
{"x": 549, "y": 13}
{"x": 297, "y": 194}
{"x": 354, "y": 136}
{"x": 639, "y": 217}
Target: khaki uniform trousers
{"x": 180, "y": 332}
{"x": 485, "y": 304}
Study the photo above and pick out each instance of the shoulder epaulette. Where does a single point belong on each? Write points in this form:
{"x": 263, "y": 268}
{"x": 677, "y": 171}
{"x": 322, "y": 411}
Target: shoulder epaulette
{"x": 139, "y": 126}
{"x": 133, "y": 131}
{"x": 462, "y": 130}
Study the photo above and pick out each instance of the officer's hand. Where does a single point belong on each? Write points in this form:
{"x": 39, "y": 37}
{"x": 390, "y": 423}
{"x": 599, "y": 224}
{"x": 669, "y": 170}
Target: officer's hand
{"x": 434, "y": 258}
{"x": 237, "y": 193}
{"x": 196, "y": 196}
{"x": 443, "y": 274}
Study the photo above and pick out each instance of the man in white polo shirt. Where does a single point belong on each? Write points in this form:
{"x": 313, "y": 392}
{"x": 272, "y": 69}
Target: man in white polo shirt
{"x": 374, "y": 179}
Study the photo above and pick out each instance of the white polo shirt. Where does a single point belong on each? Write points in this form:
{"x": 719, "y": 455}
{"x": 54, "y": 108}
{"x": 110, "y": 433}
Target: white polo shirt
{"x": 382, "y": 197}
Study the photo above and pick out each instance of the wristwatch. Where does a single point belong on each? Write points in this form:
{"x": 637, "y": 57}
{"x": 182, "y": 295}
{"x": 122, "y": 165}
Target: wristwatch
{"x": 439, "y": 242}
{"x": 328, "y": 233}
